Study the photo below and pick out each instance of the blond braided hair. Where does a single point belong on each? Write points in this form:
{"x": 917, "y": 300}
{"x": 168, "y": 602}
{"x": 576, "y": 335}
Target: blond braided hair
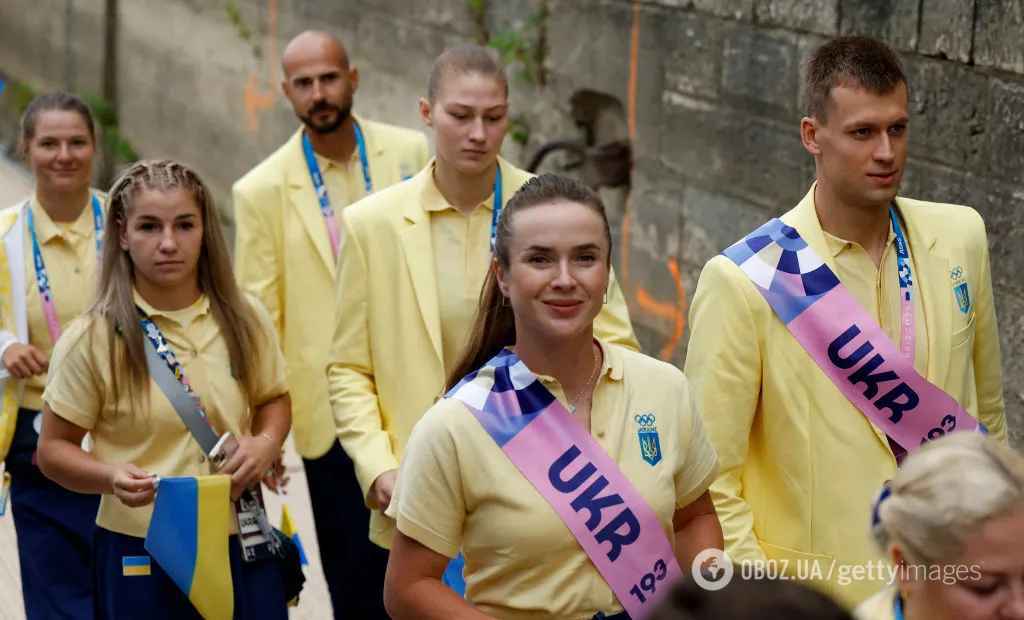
{"x": 115, "y": 301}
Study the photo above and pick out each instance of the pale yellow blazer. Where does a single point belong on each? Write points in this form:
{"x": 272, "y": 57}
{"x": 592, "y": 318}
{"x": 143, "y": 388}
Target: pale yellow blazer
{"x": 283, "y": 256}
{"x": 800, "y": 464}
{"x": 386, "y": 367}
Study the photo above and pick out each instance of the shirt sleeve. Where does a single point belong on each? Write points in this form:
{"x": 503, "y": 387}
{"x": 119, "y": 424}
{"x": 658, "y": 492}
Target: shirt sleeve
{"x": 272, "y": 367}
{"x": 74, "y": 385}
{"x": 428, "y": 503}
{"x": 698, "y": 466}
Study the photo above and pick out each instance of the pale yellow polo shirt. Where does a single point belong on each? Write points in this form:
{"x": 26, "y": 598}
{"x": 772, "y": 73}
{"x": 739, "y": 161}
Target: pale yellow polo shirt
{"x": 155, "y": 439}
{"x": 457, "y": 489}
{"x": 879, "y": 607}
{"x": 345, "y": 184}
{"x": 462, "y": 249}
{"x": 877, "y": 289}
{"x": 69, "y": 253}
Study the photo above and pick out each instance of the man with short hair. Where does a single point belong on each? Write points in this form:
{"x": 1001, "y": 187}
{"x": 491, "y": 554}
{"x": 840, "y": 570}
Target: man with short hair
{"x": 827, "y": 345}
{"x": 287, "y": 213}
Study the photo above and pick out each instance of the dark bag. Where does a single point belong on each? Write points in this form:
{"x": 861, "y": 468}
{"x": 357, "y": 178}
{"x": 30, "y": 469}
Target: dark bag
{"x": 291, "y": 566}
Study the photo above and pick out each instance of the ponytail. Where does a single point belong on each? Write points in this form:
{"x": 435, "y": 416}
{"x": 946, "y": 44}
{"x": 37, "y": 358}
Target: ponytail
{"x": 494, "y": 328}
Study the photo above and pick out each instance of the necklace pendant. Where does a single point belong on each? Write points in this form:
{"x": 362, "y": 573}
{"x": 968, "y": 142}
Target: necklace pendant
{"x": 572, "y": 408}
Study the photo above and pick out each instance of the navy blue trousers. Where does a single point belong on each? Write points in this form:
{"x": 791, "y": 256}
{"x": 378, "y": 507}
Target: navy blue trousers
{"x": 54, "y": 528}
{"x": 259, "y": 589}
{"x": 354, "y": 567}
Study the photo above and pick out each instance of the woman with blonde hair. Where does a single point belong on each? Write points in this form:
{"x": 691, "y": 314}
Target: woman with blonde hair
{"x": 166, "y": 283}
{"x": 952, "y": 520}
{"x": 48, "y": 264}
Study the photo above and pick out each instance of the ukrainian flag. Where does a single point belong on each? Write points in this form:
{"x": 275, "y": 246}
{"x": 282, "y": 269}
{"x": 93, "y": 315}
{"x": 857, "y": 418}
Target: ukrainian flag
{"x": 188, "y": 538}
{"x": 288, "y": 529}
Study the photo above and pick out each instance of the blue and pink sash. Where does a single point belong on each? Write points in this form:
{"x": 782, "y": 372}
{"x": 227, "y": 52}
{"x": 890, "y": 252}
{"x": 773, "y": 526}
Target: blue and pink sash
{"x": 845, "y": 341}
{"x": 610, "y": 519}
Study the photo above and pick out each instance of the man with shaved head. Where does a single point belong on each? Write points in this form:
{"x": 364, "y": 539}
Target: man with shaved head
{"x": 286, "y": 248}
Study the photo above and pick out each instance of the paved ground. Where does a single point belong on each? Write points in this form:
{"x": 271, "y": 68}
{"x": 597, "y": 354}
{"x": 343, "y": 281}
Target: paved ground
{"x": 315, "y": 605}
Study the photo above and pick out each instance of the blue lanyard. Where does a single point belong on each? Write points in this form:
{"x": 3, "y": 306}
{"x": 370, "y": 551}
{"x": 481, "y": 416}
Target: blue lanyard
{"x": 902, "y": 258}
{"x": 898, "y": 607}
{"x": 42, "y": 280}
{"x": 907, "y": 327}
{"x": 318, "y": 179}
{"x": 497, "y": 207}
{"x": 97, "y": 220}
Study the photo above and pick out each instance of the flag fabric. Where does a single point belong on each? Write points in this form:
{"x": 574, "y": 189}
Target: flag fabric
{"x": 188, "y": 538}
{"x": 288, "y": 529}
{"x": 453, "y": 576}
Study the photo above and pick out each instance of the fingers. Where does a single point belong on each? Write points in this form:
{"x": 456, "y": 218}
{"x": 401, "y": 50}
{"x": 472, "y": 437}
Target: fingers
{"x": 133, "y": 486}
{"x": 236, "y": 461}
{"x": 17, "y": 370}
{"x": 39, "y": 359}
{"x": 134, "y": 499}
{"x": 27, "y": 362}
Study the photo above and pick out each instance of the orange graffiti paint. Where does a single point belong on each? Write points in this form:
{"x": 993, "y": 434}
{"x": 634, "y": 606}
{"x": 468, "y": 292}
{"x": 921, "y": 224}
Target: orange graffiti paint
{"x": 675, "y": 312}
{"x": 255, "y": 101}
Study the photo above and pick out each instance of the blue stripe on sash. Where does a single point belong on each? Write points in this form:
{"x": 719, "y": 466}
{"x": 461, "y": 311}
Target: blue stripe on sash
{"x": 507, "y": 410}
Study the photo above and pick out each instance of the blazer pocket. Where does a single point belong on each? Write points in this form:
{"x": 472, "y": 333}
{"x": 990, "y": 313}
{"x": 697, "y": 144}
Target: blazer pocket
{"x": 962, "y": 337}
{"x": 801, "y": 566}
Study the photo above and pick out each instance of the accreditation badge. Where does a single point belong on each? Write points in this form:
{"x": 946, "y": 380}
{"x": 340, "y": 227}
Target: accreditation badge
{"x": 255, "y": 534}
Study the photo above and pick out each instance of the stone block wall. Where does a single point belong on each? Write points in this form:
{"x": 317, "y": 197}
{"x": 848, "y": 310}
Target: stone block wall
{"x": 709, "y": 90}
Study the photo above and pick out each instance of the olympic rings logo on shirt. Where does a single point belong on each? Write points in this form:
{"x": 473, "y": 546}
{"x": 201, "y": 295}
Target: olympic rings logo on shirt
{"x": 646, "y": 419}
{"x": 956, "y": 274}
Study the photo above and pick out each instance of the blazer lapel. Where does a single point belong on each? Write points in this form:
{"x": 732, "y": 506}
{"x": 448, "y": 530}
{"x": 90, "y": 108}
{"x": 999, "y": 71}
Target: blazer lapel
{"x": 303, "y": 201}
{"x": 931, "y": 278}
{"x": 417, "y": 246}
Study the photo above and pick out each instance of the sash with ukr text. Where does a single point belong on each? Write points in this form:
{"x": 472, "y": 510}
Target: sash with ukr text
{"x": 607, "y": 515}
{"x": 848, "y": 345}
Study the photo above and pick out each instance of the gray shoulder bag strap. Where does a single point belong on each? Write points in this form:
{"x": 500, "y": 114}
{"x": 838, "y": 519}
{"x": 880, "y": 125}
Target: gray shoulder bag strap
{"x": 181, "y": 400}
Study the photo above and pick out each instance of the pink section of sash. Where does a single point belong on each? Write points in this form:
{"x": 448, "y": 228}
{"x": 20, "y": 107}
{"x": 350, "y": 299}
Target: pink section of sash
{"x": 334, "y": 232}
{"x": 827, "y": 319}
{"x": 52, "y": 323}
{"x": 537, "y": 447}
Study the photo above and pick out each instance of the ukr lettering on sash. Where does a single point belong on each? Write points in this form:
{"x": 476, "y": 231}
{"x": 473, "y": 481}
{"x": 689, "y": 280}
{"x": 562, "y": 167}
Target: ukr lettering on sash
{"x": 608, "y": 517}
{"x": 845, "y": 342}
{"x": 588, "y": 500}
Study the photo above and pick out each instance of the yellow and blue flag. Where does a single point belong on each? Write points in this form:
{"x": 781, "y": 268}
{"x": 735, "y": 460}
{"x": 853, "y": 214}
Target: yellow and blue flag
{"x": 288, "y": 529}
{"x": 135, "y": 566}
{"x": 188, "y": 538}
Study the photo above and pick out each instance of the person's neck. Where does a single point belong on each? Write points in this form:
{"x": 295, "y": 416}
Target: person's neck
{"x": 867, "y": 226}
{"x": 338, "y": 145}
{"x": 571, "y": 363}
{"x": 464, "y": 191}
{"x": 168, "y": 299}
{"x": 63, "y": 205}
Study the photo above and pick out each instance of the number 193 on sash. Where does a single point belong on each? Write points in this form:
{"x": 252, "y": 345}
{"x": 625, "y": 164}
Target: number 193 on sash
{"x": 649, "y": 582}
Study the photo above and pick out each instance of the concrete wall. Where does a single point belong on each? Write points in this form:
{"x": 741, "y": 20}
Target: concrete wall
{"x": 716, "y": 107}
